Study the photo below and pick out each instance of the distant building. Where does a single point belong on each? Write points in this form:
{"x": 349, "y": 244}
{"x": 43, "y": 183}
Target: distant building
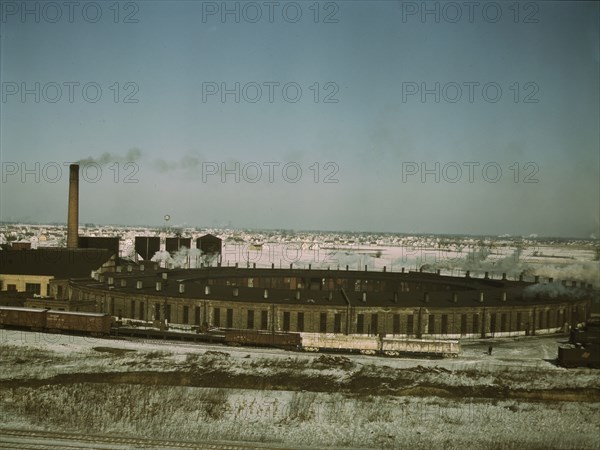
{"x": 32, "y": 270}
{"x": 209, "y": 244}
{"x": 146, "y": 246}
{"x": 174, "y": 244}
{"x": 21, "y": 245}
{"x": 107, "y": 243}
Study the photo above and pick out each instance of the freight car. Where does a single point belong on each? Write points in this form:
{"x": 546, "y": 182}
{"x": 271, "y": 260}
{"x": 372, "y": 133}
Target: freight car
{"x": 314, "y": 342}
{"x": 397, "y": 347}
{"x": 55, "y": 321}
{"x": 374, "y": 345}
{"x": 28, "y": 318}
{"x": 95, "y": 324}
{"x": 289, "y": 341}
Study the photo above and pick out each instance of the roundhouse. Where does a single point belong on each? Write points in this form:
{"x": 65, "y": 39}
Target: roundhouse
{"x": 411, "y": 304}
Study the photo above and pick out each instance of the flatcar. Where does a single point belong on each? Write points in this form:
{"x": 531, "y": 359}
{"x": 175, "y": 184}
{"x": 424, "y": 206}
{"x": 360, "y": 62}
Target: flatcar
{"x": 424, "y": 347}
{"x": 379, "y": 345}
{"x": 314, "y": 342}
{"x": 256, "y": 338}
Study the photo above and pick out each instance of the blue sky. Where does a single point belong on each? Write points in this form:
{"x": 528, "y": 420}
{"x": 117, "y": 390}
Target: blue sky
{"x": 533, "y": 147}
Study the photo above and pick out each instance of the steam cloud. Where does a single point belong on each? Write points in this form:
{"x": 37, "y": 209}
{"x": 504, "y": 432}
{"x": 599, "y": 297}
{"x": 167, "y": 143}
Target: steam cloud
{"x": 184, "y": 258}
{"x": 132, "y": 155}
{"x": 554, "y": 290}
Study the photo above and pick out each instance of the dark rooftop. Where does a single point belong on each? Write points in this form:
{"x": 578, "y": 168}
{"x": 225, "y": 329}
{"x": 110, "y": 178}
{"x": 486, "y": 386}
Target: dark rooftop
{"x": 450, "y": 291}
{"x": 59, "y": 263}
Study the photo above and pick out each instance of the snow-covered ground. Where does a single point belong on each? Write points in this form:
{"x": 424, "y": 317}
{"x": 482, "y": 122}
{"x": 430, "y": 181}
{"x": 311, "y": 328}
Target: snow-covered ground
{"x": 514, "y": 398}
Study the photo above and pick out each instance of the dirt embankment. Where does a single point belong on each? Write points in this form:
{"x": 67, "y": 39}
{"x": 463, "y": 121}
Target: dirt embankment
{"x": 403, "y": 384}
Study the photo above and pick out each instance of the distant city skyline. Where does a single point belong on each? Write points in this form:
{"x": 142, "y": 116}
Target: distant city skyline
{"x": 357, "y": 116}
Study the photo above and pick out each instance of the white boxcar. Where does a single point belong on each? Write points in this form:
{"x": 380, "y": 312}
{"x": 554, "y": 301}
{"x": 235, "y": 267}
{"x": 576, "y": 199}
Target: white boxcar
{"x": 313, "y": 342}
{"x": 395, "y": 347}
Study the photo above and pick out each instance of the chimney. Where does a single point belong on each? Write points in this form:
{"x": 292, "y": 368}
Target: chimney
{"x": 73, "y": 215}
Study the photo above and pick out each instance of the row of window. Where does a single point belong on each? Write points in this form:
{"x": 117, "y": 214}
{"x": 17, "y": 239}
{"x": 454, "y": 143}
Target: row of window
{"x": 356, "y": 285}
{"x": 498, "y": 322}
{"x": 31, "y": 288}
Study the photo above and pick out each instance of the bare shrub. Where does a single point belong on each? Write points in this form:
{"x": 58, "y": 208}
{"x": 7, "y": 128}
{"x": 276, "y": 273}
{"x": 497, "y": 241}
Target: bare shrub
{"x": 215, "y": 403}
{"x": 300, "y": 408}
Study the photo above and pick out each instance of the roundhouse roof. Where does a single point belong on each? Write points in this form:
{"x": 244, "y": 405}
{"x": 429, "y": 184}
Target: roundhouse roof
{"x": 428, "y": 290}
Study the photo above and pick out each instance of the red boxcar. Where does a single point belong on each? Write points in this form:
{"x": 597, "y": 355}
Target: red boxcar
{"x": 84, "y": 322}
{"x": 32, "y": 318}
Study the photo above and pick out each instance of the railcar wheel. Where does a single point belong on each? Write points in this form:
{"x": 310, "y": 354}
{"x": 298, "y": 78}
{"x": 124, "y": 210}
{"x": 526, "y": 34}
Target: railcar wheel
{"x": 367, "y": 352}
{"x": 311, "y": 349}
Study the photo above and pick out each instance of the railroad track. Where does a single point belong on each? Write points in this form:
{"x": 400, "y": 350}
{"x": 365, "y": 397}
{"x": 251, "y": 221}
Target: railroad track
{"x": 49, "y": 440}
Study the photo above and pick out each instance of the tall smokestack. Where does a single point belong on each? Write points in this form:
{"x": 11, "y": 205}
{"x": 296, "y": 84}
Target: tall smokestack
{"x": 73, "y": 218}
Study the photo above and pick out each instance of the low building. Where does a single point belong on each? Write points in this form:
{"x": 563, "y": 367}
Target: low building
{"x": 420, "y": 305}
{"x": 32, "y": 271}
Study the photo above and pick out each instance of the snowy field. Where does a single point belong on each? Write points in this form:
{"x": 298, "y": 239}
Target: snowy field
{"x": 515, "y": 398}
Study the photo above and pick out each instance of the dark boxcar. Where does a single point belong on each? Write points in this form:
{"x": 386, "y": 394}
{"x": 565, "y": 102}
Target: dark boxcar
{"x": 579, "y": 355}
{"x": 81, "y": 322}
{"x": 262, "y": 338}
{"x": 22, "y": 317}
